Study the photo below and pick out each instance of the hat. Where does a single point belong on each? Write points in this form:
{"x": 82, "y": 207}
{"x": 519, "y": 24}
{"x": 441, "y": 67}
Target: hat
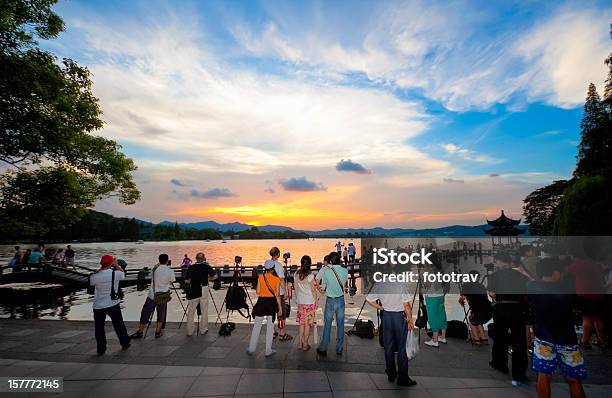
{"x": 269, "y": 264}
{"x": 106, "y": 260}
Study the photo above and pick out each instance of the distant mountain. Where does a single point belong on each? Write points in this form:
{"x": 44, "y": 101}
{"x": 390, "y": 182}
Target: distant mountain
{"x": 453, "y": 230}
{"x": 233, "y": 226}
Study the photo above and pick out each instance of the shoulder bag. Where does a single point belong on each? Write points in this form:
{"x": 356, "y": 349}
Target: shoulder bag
{"x": 159, "y": 297}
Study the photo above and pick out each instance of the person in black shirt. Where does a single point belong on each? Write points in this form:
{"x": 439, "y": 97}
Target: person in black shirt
{"x": 480, "y": 308}
{"x": 196, "y": 291}
{"x": 507, "y": 287}
{"x": 556, "y": 343}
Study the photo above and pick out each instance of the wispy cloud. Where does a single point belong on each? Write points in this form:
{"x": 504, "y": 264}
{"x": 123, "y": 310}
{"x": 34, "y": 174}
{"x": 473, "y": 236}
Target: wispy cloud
{"x": 467, "y": 154}
{"x": 301, "y": 184}
{"x": 354, "y": 167}
{"x": 453, "y": 180}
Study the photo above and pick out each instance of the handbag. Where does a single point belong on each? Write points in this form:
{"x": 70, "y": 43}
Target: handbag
{"x": 286, "y": 310}
{"x": 159, "y": 297}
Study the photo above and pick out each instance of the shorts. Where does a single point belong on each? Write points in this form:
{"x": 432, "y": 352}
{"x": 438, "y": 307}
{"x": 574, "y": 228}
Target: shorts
{"x": 548, "y": 356}
{"x": 285, "y": 308}
{"x": 480, "y": 318}
{"x": 307, "y": 314}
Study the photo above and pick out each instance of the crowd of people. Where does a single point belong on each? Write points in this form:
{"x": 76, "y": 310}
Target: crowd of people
{"x": 530, "y": 297}
{"x": 39, "y": 255}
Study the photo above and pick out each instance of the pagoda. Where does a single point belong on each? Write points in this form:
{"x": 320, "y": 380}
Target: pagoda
{"x": 504, "y": 227}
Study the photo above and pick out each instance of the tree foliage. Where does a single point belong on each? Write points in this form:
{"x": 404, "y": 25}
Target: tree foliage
{"x": 585, "y": 208}
{"x": 594, "y": 150}
{"x": 48, "y": 114}
{"x": 540, "y": 207}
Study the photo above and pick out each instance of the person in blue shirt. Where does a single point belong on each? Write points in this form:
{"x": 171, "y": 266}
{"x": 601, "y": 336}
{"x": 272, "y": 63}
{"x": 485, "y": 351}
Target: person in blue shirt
{"x": 35, "y": 259}
{"x": 334, "y": 279}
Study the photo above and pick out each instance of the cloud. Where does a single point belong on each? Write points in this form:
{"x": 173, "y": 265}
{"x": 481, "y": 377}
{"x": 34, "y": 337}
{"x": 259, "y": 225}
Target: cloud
{"x": 453, "y": 181}
{"x": 467, "y": 154}
{"x": 493, "y": 175}
{"x": 472, "y": 62}
{"x": 349, "y": 165}
{"x": 178, "y": 182}
{"x": 549, "y": 133}
{"x": 301, "y": 184}
{"x": 213, "y": 193}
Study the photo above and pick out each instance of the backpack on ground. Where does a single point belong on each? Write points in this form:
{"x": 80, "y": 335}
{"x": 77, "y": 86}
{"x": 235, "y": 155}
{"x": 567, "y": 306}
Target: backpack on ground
{"x": 236, "y": 300}
{"x": 457, "y": 329}
{"x": 226, "y": 329}
{"x": 363, "y": 329}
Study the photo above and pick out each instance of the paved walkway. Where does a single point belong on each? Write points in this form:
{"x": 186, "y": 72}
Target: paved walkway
{"x": 210, "y": 365}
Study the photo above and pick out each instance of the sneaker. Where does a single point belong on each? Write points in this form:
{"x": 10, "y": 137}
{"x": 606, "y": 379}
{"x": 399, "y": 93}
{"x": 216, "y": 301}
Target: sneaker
{"x": 405, "y": 381}
{"x": 391, "y": 376}
{"x": 503, "y": 369}
{"x": 250, "y": 352}
{"x": 125, "y": 347}
{"x": 517, "y": 383}
{"x": 204, "y": 332}
{"x": 271, "y": 353}
{"x": 338, "y": 352}
{"x": 322, "y": 353}
{"x": 432, "y": 343}
{"x": 443, "y": 341}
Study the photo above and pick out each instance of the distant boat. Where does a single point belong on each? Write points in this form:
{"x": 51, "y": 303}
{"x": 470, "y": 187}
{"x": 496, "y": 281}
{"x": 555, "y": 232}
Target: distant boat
{"x": 140, "y": 242}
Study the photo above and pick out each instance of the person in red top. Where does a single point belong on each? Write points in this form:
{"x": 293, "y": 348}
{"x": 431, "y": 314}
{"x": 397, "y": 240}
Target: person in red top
{"x": 589, "y": 277}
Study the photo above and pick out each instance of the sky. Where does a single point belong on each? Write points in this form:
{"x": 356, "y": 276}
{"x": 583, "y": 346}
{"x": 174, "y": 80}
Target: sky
{"x": 339, "y": 114}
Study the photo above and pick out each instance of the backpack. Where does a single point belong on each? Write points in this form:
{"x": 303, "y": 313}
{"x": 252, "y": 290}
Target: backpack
{"x": 363, "y": 329}
{"x": 236, "y": 300}
{"x": 227, "y": 328}
{"x": 457, "y": 329}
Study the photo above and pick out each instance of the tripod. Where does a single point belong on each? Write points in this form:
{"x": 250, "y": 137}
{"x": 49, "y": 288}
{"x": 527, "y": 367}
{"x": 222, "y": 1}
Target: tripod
{"x": 173, "y": 288}
{"x": 237, "y": 278}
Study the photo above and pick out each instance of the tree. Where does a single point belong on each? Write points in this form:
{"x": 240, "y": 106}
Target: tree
{"x": 585, "y": 208}
{"x": 594, "y": 154}
{"x": 540, "y": 207}
{"x": 48, "y": 114}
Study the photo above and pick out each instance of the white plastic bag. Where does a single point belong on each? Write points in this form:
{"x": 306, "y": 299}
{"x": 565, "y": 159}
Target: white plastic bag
{"x": 412, "y": 344}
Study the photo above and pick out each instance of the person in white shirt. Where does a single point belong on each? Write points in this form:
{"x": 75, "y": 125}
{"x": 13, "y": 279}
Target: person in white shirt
{"x": 306, "y": 298}
{"x": 158, "y": 297}
{"x": 106, "y": 302}
{"x": 352, "y": 250}
{"x": 278, "y": 270}
{"x": 394, "y": 301}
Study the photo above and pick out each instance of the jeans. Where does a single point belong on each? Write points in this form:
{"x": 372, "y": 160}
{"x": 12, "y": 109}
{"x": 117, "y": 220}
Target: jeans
{"x": 114, "y": 313}
{"x": 148, "y": 308}
{"x": 395, "y": 332}
{"x": 333, "y": 305}
{"x": 192, "y": 305}
{"x": 257, "y": 329}
{"x": 510, "y": 316}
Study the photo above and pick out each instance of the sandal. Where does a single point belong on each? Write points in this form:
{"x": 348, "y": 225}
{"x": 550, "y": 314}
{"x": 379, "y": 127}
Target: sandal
{"x": 158, "y": 334}
{"x": 285, "y": 337}
{"x": 136, "y": 335}
{"x": 306, "y": 348}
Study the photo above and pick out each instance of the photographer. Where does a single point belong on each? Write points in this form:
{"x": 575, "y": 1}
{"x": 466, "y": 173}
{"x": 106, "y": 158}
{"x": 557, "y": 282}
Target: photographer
{"x": 106, "y": 302}
{"x": 196, "y": 290}
{"x": 278, "y": 270}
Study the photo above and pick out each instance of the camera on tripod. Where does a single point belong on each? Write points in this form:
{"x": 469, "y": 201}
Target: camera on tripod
{"x": 490, "y": 267}
{"x": 238, "y": 260}
{"x": 286, "y": 256}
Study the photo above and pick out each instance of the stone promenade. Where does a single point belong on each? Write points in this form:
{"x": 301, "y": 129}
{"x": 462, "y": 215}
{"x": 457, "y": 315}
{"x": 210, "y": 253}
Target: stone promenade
{"x": 211, "y": 365}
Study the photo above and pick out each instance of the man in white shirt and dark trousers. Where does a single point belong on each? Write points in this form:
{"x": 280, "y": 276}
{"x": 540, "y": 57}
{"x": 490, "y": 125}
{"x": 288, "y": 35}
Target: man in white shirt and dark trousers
{"x": 162, "y": 278}
{"x": 196, "y": 288}
{"x": 397, "y": 321}
{"x": 106, "y": 302}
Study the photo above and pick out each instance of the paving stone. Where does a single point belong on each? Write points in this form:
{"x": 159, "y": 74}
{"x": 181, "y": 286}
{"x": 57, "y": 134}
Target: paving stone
{"x": 167, "y": 387}
{"x": 68, "y": 334}
{"x": 119, "y": 388}
{"x": 350, "y": 381}
{"x": 207, "y": 385}
{"x": 178, "y": 371}
{"x": 22, "y": 333}
{"x": 138, "y": 372}
{"x": 215, "y": 352}
{"x": 55, "y": 347}
{"x": 96, "y": 371}
{"x": 263, "y": 383}
{"x": 306, "y": 382}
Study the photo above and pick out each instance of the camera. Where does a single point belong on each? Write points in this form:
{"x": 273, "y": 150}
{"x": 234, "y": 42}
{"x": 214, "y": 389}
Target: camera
{"x": 490, "y": 267}
{"x": 238, "y": 260}
{"x": 286, "y": 256}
